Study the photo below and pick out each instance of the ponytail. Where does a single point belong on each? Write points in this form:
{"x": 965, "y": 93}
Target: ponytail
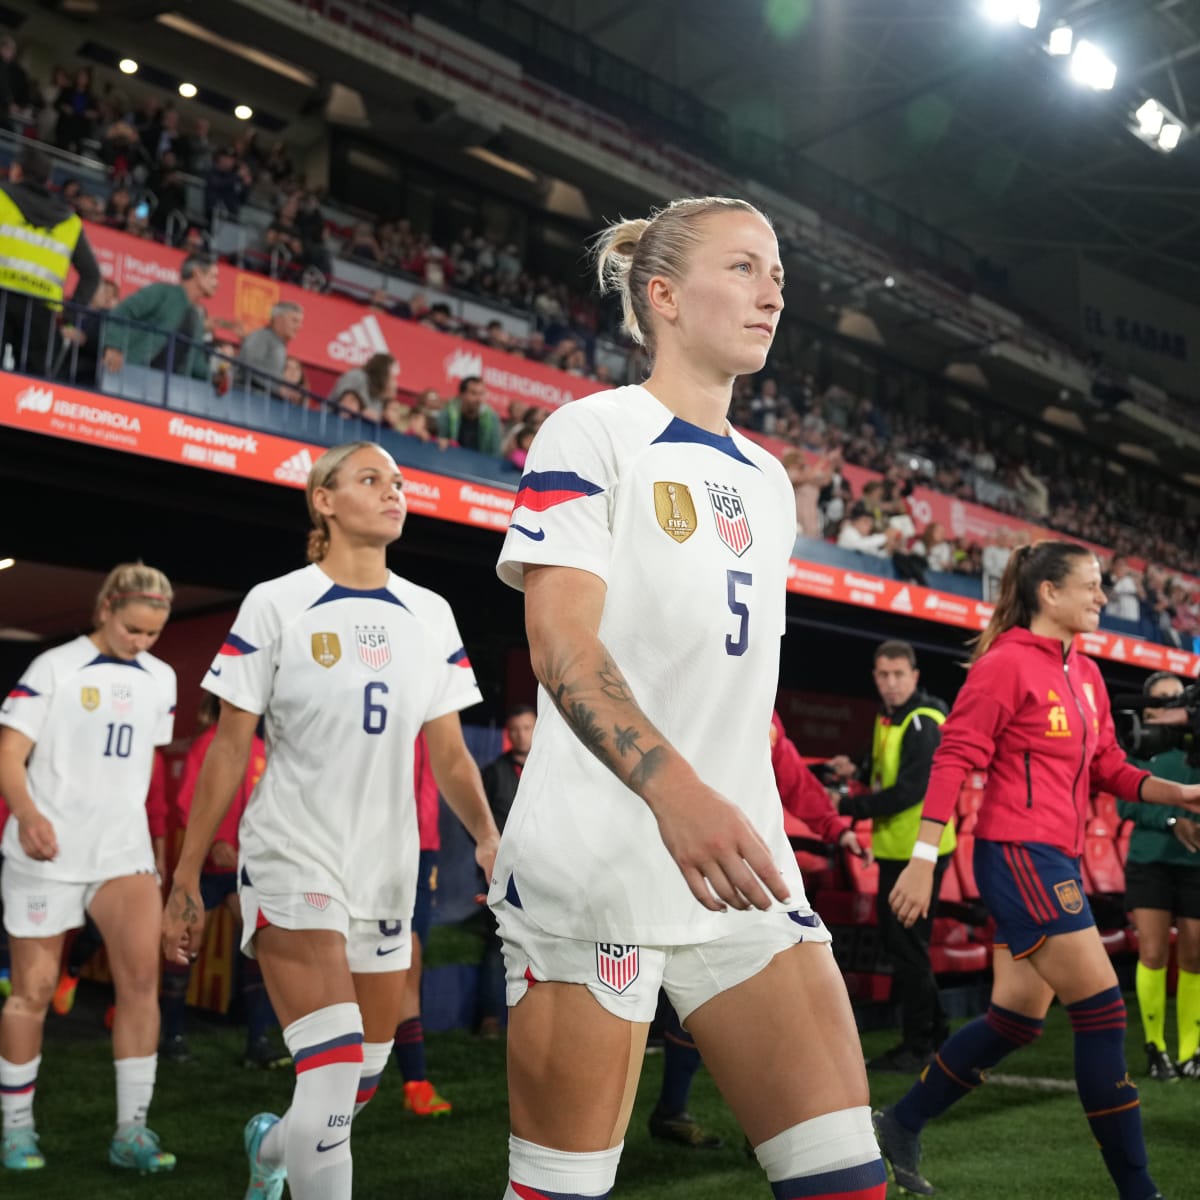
{"x": 133, "y": 583}
{"x": 1018, "y": 603}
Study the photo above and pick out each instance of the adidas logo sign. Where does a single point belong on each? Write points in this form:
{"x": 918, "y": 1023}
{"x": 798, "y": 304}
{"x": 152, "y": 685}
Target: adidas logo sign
{"x": 462, "y": 364}
{"x": 902, "y": 601}
{"x": 295, "y": 469}
{"x": 356, "y": 344}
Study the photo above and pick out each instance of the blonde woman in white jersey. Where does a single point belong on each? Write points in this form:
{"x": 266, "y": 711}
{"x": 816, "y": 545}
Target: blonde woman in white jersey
{"x": 346, "y": 663}
{"x": 646, "y": 842}
{"x": 77, "y": 739}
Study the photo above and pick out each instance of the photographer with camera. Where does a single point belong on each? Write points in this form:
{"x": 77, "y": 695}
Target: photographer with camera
{"x": 1162, "y": 887}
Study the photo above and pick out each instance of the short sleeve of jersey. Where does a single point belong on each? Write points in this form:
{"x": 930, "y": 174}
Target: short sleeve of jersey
{"x": 26, "y": 705}
{"x": 455, "y": 687}
{"x": 561, "y": 516}
{"x": 164, "y": 731}
{"x": 243, "y": 671}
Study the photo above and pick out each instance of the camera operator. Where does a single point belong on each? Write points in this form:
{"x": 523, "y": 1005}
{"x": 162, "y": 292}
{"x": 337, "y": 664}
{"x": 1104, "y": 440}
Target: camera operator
{"x": 1162, "y": 887}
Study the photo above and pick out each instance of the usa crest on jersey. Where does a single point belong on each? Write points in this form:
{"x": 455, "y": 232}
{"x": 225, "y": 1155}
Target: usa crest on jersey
{"x": 122, "y": 698}
{"x": 729, "y": 513}
{"x": 374, "y": 649}
{"x": 616, "y": 965}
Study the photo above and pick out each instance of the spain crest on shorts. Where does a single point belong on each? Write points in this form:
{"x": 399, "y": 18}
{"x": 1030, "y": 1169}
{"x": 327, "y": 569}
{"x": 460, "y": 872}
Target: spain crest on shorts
{"x": 617, "y": 966}
{"x": 1069, "y": 896}
{"x": 89, "y": 697}
{"x": 733, "y": 527}
{"x": 374, "y": 649}
{"x": 36, "y": 908}
{"x": 326, "y": 649}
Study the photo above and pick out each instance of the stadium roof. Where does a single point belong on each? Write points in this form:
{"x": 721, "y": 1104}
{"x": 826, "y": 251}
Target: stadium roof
{"x": 967, "y": 125}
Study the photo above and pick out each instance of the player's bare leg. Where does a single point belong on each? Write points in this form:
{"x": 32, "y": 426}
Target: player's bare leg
{"x": 381, "y": 998}
{"x": 34, "y": 965}
{"x": 128, "y": 913}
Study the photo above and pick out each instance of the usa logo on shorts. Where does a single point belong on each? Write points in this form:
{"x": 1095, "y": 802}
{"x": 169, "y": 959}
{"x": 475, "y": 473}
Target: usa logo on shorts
{"x": 616, "y": 966}
{"x": 36, "y": 908}
{"x": 317, "y": 900}
{"x": 733, "y": 527}
{"x": 374, "y": 649}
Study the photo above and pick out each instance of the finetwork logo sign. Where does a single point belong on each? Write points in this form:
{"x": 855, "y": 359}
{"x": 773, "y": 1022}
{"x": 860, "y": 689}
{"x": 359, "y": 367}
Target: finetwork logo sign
{"x": 358, "y": 343}
{"x": 296, "y": 468}
{"x": 35, "y": 399}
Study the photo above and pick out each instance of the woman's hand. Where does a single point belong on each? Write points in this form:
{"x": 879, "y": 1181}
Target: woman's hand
{"x": 910, "y": 897}
{"x": 37, "y": 837}
{"x": 183, "y": 922}
{"x": 485, "y": 856}
{"x": 718, "y": 851}
{"x": 849, "y": 841}
{"x": 1188, "y": 832}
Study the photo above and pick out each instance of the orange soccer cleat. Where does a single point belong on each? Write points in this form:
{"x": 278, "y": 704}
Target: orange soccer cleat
{"x": 422, "y": 1100}
{"x": 64, "y": 994}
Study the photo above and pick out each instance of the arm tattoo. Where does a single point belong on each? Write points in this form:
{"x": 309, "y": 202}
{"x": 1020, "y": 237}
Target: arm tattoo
{"x": 647, "y": 767}
{"x": 582, "y": 720}
{"x": 627, "y": 739}
{"x": 613, "y": 684}
{"x": 188, "y": 906}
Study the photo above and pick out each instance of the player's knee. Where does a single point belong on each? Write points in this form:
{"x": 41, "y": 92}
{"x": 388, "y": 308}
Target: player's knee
{"x": 1152, "y": 956}
{"x": 30, "y": 999}
{"x": 844, "y": 1139}
{"x": 138, "y": 985}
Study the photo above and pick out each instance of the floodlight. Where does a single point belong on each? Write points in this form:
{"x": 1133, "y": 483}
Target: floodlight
{"x": 128, "y": 66}
{"x": 1150, "y": 118}
{"x": 1170, "y": 136}
{"x": 889, "y": 281}
{"x": 187, "y": 91}
{"x": 1092, "y": 67}
{"x": 5, "y": 563}
{"x": 243, "y": 112}
{"x": 1023, "y": 12}
{"x": 1061, "y": 41}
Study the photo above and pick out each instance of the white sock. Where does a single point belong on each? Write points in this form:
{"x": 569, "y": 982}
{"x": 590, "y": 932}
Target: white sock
{"x": 327, "y": 1048}
{"x": 18, "y": 1082}
{"x": 836, "y": 1142}
{"x": 589, "y": 1174}
{"x": 375, "y": 1059}
{"x": 135, "y": 1088}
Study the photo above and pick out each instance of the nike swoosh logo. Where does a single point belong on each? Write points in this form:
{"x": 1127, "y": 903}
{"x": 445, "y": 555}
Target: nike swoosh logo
{"x": 380, "y": 951}
{"x": 534, "y": 535}
{"x": 215, "y": 670}
{"x": 321, "y": 1147}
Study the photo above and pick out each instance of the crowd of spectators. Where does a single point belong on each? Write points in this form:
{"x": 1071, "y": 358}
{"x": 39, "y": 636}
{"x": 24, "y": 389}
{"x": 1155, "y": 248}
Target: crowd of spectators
{"x": 151, "y": 154}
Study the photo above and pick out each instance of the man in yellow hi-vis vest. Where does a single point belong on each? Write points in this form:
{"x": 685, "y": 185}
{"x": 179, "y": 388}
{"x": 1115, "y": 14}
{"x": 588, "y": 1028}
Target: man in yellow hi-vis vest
{"x": 41, "y": 239}
{"x": 907, "y": 732}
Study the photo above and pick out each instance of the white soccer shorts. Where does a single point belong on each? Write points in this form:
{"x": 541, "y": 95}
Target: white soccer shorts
{"x": 625, "y": 979}
{"x": 36, "y": 907}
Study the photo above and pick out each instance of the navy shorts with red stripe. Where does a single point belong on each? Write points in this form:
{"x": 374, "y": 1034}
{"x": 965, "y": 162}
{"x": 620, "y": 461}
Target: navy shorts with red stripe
{"x": 1033, "y": 890}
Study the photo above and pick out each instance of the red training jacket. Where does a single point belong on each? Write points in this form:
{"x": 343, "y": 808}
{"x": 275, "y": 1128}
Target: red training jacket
{"x": 156, "y": 798}
{"x": 801, "y": 791}
{"x": 427, "y": 797}
{"x": 1038, "y": 722}
{"x": 228, "y": 829}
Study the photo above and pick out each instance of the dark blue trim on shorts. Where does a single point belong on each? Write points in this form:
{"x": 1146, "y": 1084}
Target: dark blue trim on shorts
{"x": 510, "y": 893}
{"x": 808, "y": 920}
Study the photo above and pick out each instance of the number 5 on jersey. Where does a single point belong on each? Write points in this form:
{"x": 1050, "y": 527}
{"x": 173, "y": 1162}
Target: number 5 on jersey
{"x": 740, "y": 609}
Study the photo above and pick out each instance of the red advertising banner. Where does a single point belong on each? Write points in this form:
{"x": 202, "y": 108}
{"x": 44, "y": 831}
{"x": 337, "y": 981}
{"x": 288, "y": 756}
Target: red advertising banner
{"x": 58, "y": 411}
{"x": 338, "y": 333}
{"x": 844, "y": 586}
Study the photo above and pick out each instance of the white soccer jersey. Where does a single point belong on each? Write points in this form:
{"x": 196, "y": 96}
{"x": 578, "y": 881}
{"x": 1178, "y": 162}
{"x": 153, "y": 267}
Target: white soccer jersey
{"x": 94, "y": 721}
{"x": 692, "y": 533}
{"x": 346, "y": 679}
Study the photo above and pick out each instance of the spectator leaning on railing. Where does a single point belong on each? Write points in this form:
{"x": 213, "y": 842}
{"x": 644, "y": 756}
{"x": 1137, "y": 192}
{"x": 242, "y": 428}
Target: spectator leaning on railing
{"x": 265, "y": 351}
{"x": 40, "y": 240}
{"x": 159, "y": 311}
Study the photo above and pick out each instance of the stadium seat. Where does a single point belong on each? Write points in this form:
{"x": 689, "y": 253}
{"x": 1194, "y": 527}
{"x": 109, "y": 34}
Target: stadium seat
{"x": 964, "y": 864}
{"x": 1114, "y": 941}
{"x": 1104, "y": 805}
{"x": 863, "y": 879}
{"x": 952, "y": 951}
{"x": 1101, "y": 827}
{"x": 1102, "y": 867}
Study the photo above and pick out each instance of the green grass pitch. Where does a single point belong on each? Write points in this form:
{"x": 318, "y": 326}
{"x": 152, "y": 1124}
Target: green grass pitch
{"x": 1003, "y": 1142}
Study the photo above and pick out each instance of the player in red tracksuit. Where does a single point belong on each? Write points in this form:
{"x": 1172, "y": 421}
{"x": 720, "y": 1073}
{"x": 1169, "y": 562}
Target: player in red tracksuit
{"x": 218, "y": 885}
{"x": 805, "y": 798}
{"x": 1034, "y": 714}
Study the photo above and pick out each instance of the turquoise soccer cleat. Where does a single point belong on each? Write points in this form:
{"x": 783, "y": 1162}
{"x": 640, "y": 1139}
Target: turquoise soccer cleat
{"x": 136, "y": 1148}
{"x": 20, "y": 1150}
{"x": 266, "y": 1183}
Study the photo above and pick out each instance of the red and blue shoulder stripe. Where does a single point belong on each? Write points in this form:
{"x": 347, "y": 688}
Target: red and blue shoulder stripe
{"x": 540, "y": 490}
{"x": 459, "y": 658}
{"x": 234, "y": 646}
{"x": 22, "y": 692}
